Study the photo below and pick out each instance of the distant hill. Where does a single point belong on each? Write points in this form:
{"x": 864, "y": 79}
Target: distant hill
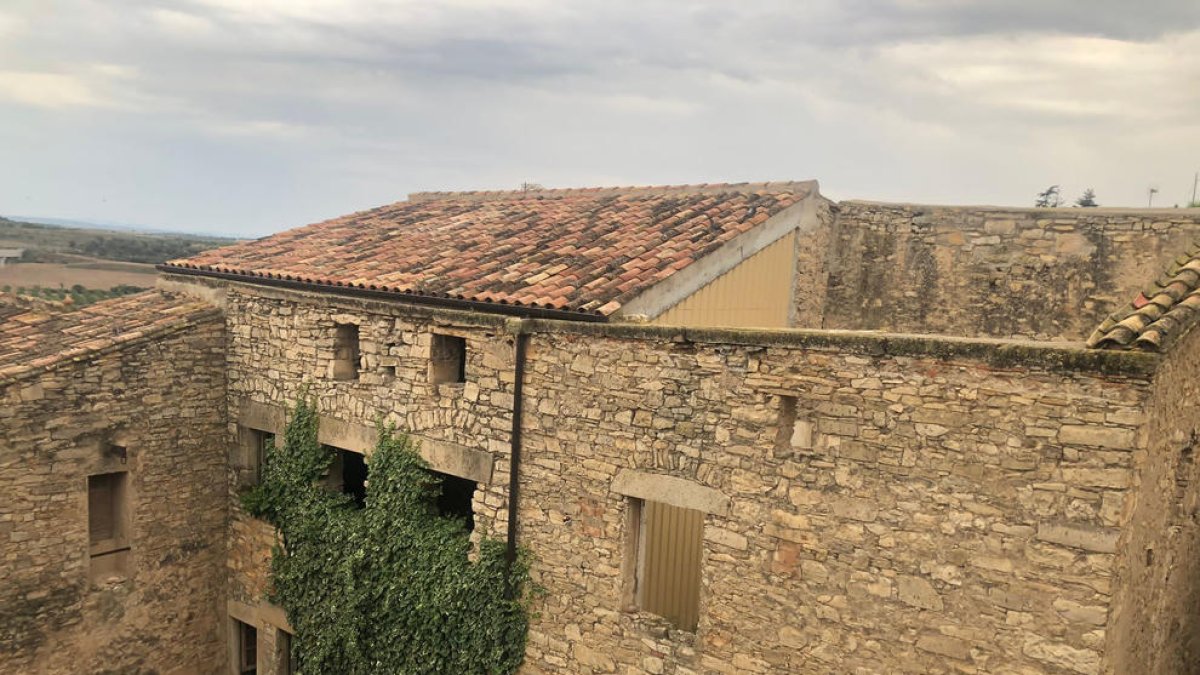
{"x": 51, "y": 242}
{"x": 101, "y": 225}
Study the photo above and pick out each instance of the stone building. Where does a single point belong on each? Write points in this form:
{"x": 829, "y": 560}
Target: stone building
{"x": 761, "y": 431}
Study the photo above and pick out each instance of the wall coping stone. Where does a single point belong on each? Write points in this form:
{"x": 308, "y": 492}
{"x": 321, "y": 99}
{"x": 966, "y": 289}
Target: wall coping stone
{"x": 1190, "y": 213}
{"x": 995, "y": 352}
{"x": 999, "y": 353}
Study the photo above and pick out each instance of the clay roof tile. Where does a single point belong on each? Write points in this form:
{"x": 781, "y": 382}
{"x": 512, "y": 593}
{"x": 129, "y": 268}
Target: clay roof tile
{"x": 515, "y": 248}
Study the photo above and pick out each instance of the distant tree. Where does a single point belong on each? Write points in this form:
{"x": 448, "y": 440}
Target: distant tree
{"x": 1088, "y": 199}
{"x": 1049, "y": 198}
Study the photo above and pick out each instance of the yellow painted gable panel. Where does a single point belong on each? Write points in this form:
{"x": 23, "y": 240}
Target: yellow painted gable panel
{"x": 755, "y": 294}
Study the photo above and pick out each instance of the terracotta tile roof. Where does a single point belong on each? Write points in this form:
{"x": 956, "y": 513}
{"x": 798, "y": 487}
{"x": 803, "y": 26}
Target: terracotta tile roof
{"x": 33, "y": 339}
{"x": 1158, "y": 314}
{"x": 582, "y": 250}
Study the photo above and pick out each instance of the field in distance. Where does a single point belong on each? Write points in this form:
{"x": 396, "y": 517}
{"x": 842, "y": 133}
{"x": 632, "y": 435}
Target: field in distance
{"x": 84, "y": 265}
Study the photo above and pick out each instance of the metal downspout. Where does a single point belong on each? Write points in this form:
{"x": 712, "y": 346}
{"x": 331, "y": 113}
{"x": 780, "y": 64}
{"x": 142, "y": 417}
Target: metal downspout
{"x": 521, "y": 342}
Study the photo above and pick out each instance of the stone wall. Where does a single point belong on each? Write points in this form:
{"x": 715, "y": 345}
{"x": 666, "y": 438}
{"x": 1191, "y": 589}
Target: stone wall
{"x": 934, "y": 506}
{"x": 1050, "y": 274}
{"x": 1157, "y": 620}
{"x": 281, "y": 342}
{"x": 929, "y": 511}
{"x": 162, "y": 399}
{"x": 811, "y": 274}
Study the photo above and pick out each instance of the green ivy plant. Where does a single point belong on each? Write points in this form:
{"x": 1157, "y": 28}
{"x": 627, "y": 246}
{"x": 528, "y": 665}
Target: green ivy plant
{"x": 388, "y": 588}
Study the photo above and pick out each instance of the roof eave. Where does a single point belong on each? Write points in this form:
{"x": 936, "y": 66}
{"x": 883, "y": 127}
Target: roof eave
{"x": 395, "y": 296}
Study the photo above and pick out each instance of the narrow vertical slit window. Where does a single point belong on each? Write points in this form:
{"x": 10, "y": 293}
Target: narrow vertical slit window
{"x": 253, "y": 455}
{"x": 794, "y": 435}
{"x": 108, "y": 524}
{"x": 246, "y": 650}
{"x": 345, "y": 352}
{"x": 447, "y": 359}
{"x": 283, "y": 653}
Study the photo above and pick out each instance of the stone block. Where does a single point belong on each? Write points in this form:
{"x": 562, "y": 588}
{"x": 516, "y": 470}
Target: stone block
{"x": 945, "y": 646}
{"x": 918, "y": 592}
{"x": 1117, "y": 438}
{"x": 1087, "y": 538}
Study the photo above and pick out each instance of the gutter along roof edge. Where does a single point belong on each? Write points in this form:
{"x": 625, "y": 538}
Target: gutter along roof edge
{"x": 380, "y": 294}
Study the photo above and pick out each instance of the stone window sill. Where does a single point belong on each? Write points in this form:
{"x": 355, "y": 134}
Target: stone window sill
{"x": 107, "y": 547}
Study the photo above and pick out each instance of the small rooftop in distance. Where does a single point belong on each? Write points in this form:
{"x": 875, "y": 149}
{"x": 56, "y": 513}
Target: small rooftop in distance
{"x": 33, "y": 338}
{"x": 583, "y": 252}
{"x": 1158, "y": 314}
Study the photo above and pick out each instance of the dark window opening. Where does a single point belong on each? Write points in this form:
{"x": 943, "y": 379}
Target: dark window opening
{"x": 283, "y": 653}
{"x": 345, "y": 352}
{"x": 456, "y": 499}
{"x": 787, "y": 425}
{"x": 348, "y": 474}
{"x": 448, "y": 359}
{"x": 259, "y": 442}
{"x": 247, "y": 648}
{"x": 108, "y": 526}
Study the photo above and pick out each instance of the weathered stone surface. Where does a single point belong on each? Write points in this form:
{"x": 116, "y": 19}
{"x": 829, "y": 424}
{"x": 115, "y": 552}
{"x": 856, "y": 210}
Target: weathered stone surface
{"x": 963, "y": 270}
{"x": 161, "y": 398}
{"x": 1105, "y": 437}
{"x": 918, "y": 593}
{"x": 833, "y": 559}
{"x": 1085, "y": 661}
{"x": 1103, "y": 540}
{"x": 946, "y": 646}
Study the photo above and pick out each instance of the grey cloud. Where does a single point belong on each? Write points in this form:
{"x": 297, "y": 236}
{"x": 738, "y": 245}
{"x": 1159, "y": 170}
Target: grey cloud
{"x": 233, "y": 116}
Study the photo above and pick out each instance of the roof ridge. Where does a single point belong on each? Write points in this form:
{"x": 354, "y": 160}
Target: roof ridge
{"x": 804, "y": 187}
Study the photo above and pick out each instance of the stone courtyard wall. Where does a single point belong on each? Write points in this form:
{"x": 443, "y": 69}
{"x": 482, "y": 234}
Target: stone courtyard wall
{"x": 162, "y": 398}
{"x": 937, "y": 505}
{"x": 1157, "y": 625}
{"x": 1049, "y": 274}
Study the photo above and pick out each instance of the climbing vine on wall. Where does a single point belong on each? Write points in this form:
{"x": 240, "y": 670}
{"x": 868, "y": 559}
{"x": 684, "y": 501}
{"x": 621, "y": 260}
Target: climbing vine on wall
{"x": 388, "y": 588}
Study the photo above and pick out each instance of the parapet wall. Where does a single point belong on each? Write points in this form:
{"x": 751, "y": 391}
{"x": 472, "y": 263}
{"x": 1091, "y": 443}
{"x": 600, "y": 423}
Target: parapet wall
{"x": 161, "y": 399}
{"x": 1048, "y": 274}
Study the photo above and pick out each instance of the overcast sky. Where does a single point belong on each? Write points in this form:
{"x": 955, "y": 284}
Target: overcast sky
{"x": 252, "y": 116}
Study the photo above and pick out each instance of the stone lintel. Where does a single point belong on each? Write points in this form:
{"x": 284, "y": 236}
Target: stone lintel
{"x": 261, "y": 416}
{"x": 443, "y": 456}
{"x": 670, "y": 490}
{"x": 257, "y": 615}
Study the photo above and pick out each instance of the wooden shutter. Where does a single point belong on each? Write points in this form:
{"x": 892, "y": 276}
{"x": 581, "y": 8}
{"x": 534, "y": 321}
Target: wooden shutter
{"x": 102, "y": 512}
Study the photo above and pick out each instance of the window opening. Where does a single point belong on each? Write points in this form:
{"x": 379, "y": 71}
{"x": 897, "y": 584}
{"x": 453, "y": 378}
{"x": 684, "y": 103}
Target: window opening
{"x": 345, "y": 352}
{"x": 448, "y": 359}
{"x": 457, "y": 498}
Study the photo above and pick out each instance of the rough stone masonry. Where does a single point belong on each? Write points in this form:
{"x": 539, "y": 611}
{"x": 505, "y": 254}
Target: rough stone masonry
{"x": 871, "y": 502}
